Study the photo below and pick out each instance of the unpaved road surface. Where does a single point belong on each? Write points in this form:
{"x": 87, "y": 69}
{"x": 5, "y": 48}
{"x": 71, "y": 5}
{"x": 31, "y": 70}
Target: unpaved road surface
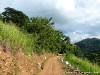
{"x": 52, "y": 67}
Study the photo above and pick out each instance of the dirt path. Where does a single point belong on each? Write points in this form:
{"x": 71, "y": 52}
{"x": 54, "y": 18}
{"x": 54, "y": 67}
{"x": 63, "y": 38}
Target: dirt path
{"x": 52, "y": 67}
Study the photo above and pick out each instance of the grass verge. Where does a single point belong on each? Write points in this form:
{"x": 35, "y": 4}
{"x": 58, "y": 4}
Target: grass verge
{"x": 84, "y": 65}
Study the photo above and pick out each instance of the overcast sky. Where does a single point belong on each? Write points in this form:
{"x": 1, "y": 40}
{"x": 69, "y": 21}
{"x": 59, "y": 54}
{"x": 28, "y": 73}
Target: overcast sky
{"x": 78, "y": 19}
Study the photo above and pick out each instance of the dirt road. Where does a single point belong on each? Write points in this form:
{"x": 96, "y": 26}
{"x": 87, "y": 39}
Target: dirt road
{"x": 52, "y": 67}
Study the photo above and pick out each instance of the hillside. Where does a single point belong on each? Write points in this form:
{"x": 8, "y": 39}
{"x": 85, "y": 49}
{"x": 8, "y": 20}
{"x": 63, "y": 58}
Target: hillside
{"x": 31, "y": 46}
{"x": 11, "y": 37}
{"x": 20, "y": 63}
{"x": 90, "y": 45}
{"x": 91, "y": 49}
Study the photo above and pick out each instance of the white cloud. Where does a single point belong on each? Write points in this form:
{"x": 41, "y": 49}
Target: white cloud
{"x": 4, "y": 4}
{"x": 66, "y": 5}
{"x": 79, "y": 35}
{"x": 98, "y": 1}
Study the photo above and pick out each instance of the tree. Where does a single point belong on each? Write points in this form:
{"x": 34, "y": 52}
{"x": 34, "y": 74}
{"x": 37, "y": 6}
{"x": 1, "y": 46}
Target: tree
{"x": 15, "y": 16}
{"x": 48, "y": 38}
{"x": 39, "y": 25}
{"x": 0, "y": 17}
{"x": 67, "y": 39}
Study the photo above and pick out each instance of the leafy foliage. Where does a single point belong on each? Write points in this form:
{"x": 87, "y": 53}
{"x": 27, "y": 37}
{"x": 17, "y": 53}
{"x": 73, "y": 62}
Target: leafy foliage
{"x": 48, "y": 37}
{"x": 0, "y": 17}
{"x": 14, "y": 16}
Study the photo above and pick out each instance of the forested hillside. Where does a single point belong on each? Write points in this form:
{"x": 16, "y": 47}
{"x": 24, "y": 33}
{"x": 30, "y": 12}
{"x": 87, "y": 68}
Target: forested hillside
{"x": 91, "y": 49}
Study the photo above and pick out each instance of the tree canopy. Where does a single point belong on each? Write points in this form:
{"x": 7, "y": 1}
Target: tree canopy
{"x": 15, "y": 16}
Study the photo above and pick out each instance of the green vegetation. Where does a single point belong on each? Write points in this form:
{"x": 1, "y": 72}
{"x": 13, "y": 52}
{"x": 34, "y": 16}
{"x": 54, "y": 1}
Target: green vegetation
{"x": 33, "y": 34}
{"x": 17, "y": 39}
{"x": 37, "y": 34}
{"x": 83, "y": 64}
{"x": 91, "y": 49}
{"x": 15, "y": 16}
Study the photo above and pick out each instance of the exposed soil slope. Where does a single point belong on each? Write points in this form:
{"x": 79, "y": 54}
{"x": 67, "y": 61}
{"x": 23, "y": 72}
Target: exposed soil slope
{"x": 19, "y": 63}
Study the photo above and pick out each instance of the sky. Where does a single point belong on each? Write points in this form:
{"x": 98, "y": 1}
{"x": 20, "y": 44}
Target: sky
{"x": 78, "y": 19}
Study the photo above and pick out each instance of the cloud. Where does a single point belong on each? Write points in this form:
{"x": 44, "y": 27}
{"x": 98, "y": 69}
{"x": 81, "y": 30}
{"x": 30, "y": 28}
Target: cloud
{"x": 78, "y": 35}
{"x": 66, "y": 5}
{"x": 78, "y": 19}
{"x": 4, "y": 3}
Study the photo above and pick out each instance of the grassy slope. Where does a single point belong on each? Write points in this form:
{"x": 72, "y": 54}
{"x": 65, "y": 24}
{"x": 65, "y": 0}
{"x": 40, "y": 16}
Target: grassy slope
{"x": 83, "y": 64}
{"x": 10, "y": 33}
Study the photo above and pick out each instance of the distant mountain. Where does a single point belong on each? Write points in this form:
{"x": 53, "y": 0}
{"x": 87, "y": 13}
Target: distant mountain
{"x": 89, "y": 45}
{"x": 91, "y": 48}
